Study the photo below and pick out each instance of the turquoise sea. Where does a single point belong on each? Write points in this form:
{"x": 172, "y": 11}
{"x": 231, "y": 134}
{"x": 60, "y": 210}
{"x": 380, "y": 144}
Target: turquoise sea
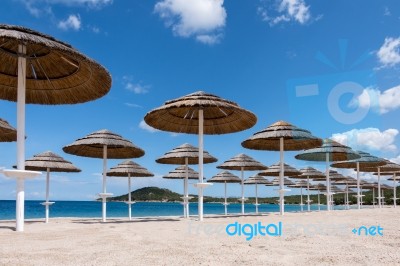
{"x": 33, "y": 209}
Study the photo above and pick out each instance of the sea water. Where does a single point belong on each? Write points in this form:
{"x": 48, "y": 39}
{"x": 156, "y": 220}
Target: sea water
{"x": 91, "y": 209}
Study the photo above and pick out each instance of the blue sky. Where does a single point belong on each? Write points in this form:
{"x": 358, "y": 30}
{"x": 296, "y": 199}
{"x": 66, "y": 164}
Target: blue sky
{"x": 331, "y": 68}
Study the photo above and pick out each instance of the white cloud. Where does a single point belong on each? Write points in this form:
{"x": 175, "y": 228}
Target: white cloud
{"x": 72, "y": 22}
{"x": 203, "y": 19}
{"x": 381, "y": 102}
{"x": 37, "y": 5}
{"x": 386, "y": 11}
{"x": 389, "y": 53}
{"x": 146, "y": 127}
{"x": 285, "y": 11}
{"x": 136, "y": 88}
{"x": 134, "y": 105}
{"x": 368, "y": 139}
{"x": 395, "y": 159}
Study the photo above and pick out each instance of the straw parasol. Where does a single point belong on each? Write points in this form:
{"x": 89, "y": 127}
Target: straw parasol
{"x": 282, "y": 136}
{"x": 366, "y": 160}
{"x": 39, "y": 69}
{"x": 107, "y": 145}
{"x": 129, "y": 169}
{"x": 330, "y": 151}
{"x": 225, "y": 177}
{"x": 184, "y": 155}
{"x": 49, "y": 162}
{"x": 275, "y": 170}
{"x": 255, "y": 180}
{"x": 7, "y": 132}
{"x": 318, "y": 187}
{"x": 391, "y": 169}
{"x": 200, "y": 113}
{"x": 180, "y": 173}
{"x": 300, "y": 184}
{"x": 242, "y": 162}
{"x": 310, "y": 172}
{"x": 348, "y": 181}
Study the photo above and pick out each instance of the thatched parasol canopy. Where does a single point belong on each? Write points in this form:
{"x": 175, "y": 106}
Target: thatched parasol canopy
{"x": 242, "y": 162}
{"x": 300, "y": 184}
{"x": 181, "y": 115}
{"x": 366, "y": 160}
{"x": 311, "y": 173}
{"x": 335, "y": 176}
{"x": 319, "y": 187}
{"x": 180, "y": 173}
{"x": 56, "y": 73}
{"x": 92, "y": 146}
{"x": 274, "y": 170}
{"x": 179, "y": 154}
{"x": 286, "y": 181}
{"x": 129, "y": 168}
{"x": 335, "y": 151}
{"x": 347, "y": 181}
{"x": 256, "y": 179}
{"x": 388, "y": 168}
{"x": 7, "y": 132}
{"x": 51, "y": 161}
{"x": 294, "y": 138}
{"x": 224, "y": 177}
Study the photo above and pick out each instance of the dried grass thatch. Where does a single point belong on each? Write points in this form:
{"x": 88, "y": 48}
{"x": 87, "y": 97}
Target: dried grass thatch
{"x": 388, "y": 169}
{"x": 311, "y": 173}
{"x": 7, "y": 132}
{"x": 92, "y": 146}
{"x": 225, "y": 177}
{"x": 256, "y": 179}
{"x": 335, "y": 176}
{"x": 347, "y": 181}
{"x": 129, "y": 168}
{"x": 181, "y": 115}
{"x": 56, "y": 73}
{"x": 180, "y": 173}
{"x": 51, "y": 161}
{"x": 366, "y": 160}
{"x": 336, "y": 152}
{"x": 242, "y": 162}
{"x": 274, "y": 170}
{"x": 294, "y": 138}
{"x": 299, "y": 184}
{"x": 286, "y": 181}
{"x": 178, "y": 155}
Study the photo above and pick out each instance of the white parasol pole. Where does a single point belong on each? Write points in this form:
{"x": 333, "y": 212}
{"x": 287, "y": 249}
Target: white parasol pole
{"x": 226, "y": 203}
{"x": 308, "y": 193}
{"x": 281, "y": 189}
{"x": 328, "y": 190}
{"x": 319, "y": 202}
{"x": 347, "y": 197}
{"x": 394, "y": 191}
{"x": 104, "y": 200}
{"x": 186, "y": 193}
{"x": 301, "y": 198}
{"x": 256, "y": 199}
{"x": 379, "y": 188}
{"x": 201, "y": 120}
{"x": 21, "y": 136}
{"x": 242, "y": 184}
{"x": 47, "y": 194}
{"x": 373, "y": 197}
{"x": 129, "y": 197}
{"x": 358, "y": 187}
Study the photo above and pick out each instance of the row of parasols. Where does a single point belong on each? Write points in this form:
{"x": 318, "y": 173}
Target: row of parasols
{"x": 105, "y": 144}
{"x": 38, "y": 69}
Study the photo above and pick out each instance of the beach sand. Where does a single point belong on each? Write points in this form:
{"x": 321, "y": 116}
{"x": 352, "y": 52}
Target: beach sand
{"x": 316, "y": 238}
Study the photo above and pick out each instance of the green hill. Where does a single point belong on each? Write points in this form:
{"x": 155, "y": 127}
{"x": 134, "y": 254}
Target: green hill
{"x": 166, "y": 195}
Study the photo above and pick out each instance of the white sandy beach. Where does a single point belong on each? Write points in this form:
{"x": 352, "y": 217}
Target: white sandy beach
{"x": 317, "y": 238}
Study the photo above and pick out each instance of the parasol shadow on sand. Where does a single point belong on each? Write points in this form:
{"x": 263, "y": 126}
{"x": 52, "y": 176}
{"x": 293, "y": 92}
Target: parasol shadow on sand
{"x": 225, "y": 177}
{"x": 330, "y": 151}
{"x": 184, "y": 155}
{"x": 242, "y": 162}
{"x": 38, "y": 69}
{"x": 106, "y": 145}
{"x": 129, "y": 169}
{"x": 282, "y": 136}
{"x": 49, "y": 162}
{"x": 200, "y": 113}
